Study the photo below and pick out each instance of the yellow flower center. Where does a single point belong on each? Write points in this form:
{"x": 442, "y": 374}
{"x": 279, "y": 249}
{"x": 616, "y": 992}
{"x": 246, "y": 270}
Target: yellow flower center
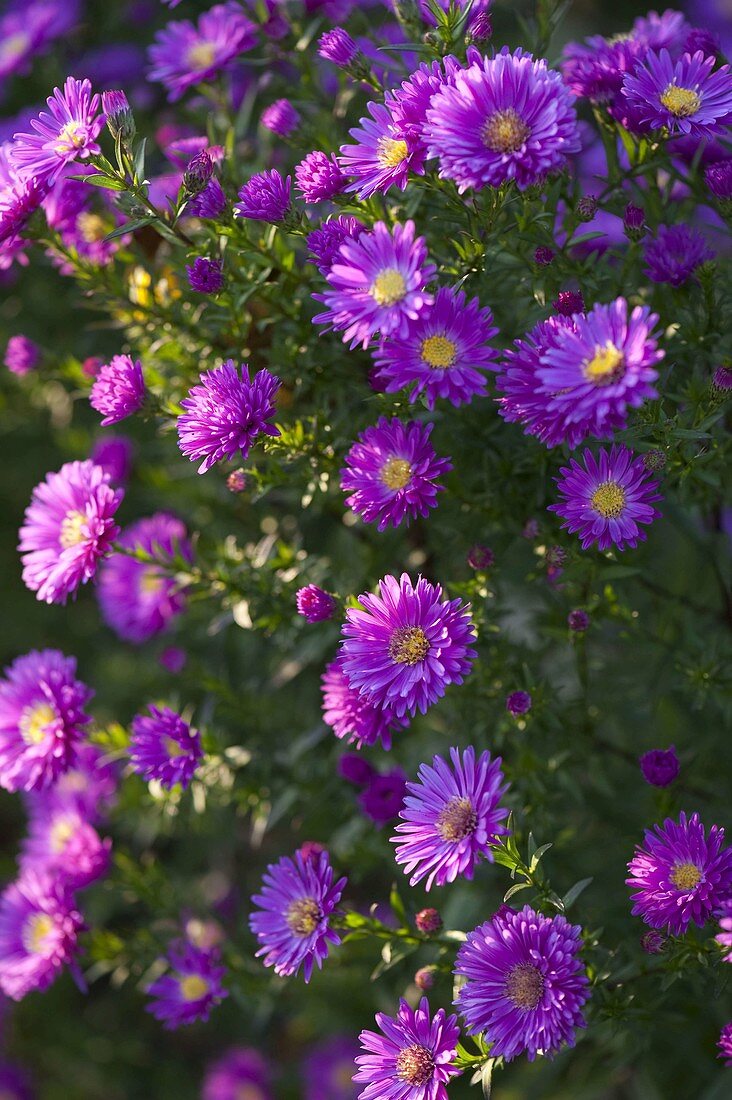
{"x": 72, "y": 529}
{"x": 457, "y": 819}
{"x": 395, "y": 473}
{"x": 524, "y": 985}
{"x": 388, "y": 287}
{"x": 34, "y": 722}
{"x": 61, "y": 833}
{"x": 408, "y": 645}
{"x": 681, "y": 102}
{"x": 91, "y": 226}
{"x": 14, "y": 46}
{"x": 193, "y": 987}
{"x": 71, "y": 137}
{"x": 244, "y": 1092}
{"x": 505, "y": 131}
{"x": 390, "y": 152}
{"x": 609, "y": 499}
{"x": 172, "y": 748}
{"x": 685, "y": 876}
{"x": 201, "y": 56}
{"x": 151, "y": 580}
{"x": 35, "y": 931}
{"x": 438, "y": 352}
{"x": 304, "y": 916}
{"x": 415, "y": 1065}
{"x": 606, "y": 365}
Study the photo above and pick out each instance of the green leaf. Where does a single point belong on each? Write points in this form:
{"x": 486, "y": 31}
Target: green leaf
{"x": 138, "y": 163}
{"x": 574, "y": 892}
{"x": 538, "y": 854}
{"x": 129, "y": 227}
{"x": 102, "y": 181}
{"x": 397, "y": 906}
{"x": 515, "y": 889}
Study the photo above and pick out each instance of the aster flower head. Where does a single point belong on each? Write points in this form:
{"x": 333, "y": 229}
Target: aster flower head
{"x": 578, "y": 621}
{"x": 314, "y": 604}
{"x": 224, "y": 415}
{"x": 239, "y": 1074}
{"x": 205, "y": 275}
{"x": 69, "y": 527}
{"x": 292, "y": 922}
{"x": 198, "y": 172}
{"x": 724, "y": 939}
{"x": 324, "y": 243}
{"x": 518, "y": 703}
{"x": 42, "y": 719}
{"x": 65, "y": 133}
{"x": 383, "y": 155}
{"x": 383, "y": 795}
{"x": 164, "y": 747}
{"x": 409, "y": 102}
{"x": 209, "y": 203}
{"x": 526, "y": 984}
{"x": 725, "y": 1044}
{"x": 351, "y": 716}
{"x": 184, "y": 54}
{"x": 19, "y": 200}
{"x": 27, "y": 30}
{"x": 118, "y": 115}
{"x": 444, "y": 353}
{"x": 480, "y": 557}
{"x": 503, "y": 118}
{"x": 281, "y": 118}
{"x": 391, "y": 473}
{"x": 39, "y": 928}
{"x": 337, "y": 46}
{"x": 118, "y": 390}
{"x": 718, "y": 178}
{"x": 680, "y": 874}
{"x": 190, "y": 989}
{"x": 88, "y": 787}
{"x": 265, "y": 197}
{"x": 683, "y": 96}
{"x": 412, "y": 1057}
{"x": 606, "y": 499}
{"x": 675, "y": 253}
{"x": 403, "y": 647}
{"x": 139, "y": 599}
{"x": 22, "y": 355}
{"x": 319, "y": 177}
{"x": 451, "y": 818}
{"x": 328, "y": 1069}
{"x": 659, "y": 767}
{"x": 63, "y": 843}
{"x": 114, "y": 454}
{"x": 377, "y": 284}
{"x": 594, "y": 69}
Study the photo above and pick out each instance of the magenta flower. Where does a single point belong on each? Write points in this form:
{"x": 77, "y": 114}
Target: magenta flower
{"x": 350, "y": 716}
{"x": 205, "y": 276}
{"x": 19, "y": 199}
{"x": 39, "y": 928}
{"x": 683, "y": 96}
{"x": 184, "y": 54}
{"x": 292, "y": 923}
{"x": 118, "y": 390}
{"x": 163, "y": 747}
{"x": 391, "y": 473}
{"x": 88, "y": 788}
{"x": 324, "y": 243}
{"x": 659, "y": 767}
{"x": 191, "y": 987}
{"x": 681, "y": 875}
{"x": 675, "y": 253}
{"x": 114, "y": 454}
{"x": 239, "y": 1074}
{"x": 69, "y": 527}
{"x": 724, "y": 939}
{"x": 314, "y": 604}
{"x": 65, "y": 133}
{"x": 265, "y": 198}
{"x": 377, "y": 284}
{"x": 62, "y": 843}
{"x": 42, "y": 719}
{"x": 337, "y": 46}
{"x": 281, "y": 118}
{"x": 383, "y": 155}
{"x": 725, "y": 1044}
{"x": 403, "y": 647}
{"x": 518, "y": 703}
{"x": 21, "y": 355}
{"x": 526, "y": 984}
{"x": 412, "y": 1057}
{"x": 224, "y": 415}
{"x": 319, "y": 177}
{"x": 451, "y": 818}
{"x": 606, "y": 500}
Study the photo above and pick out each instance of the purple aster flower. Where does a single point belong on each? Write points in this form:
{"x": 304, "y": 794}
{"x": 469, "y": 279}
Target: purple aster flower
{"x": 118, "y": 390}
{"x": 412, "y": 1058}
{"x": 444, "y": 354}
{"x": 337, "y": 46}
{"x": 569, "y": 302}
{"x": 659, "y": 766}
{"x": 292, "y": 925}
{"x": 71, "y": 209}
{"x": 139, "y": 599}
{"x": 191, "y": 987}
{"x": 683, "y": 96}
{"x": 114, "y": 454}
{"x": 503, "y": 118}
{"x": 319, "y": 177}
{"x": 451, "y": 818}
{"x": 184, "y": 54}
{"x": 164, "y": 747}
{"x": 518, "y": 703}
{"x": 722, "y": 381}
{"x": 525, "y": 983}
{"x": 315, "y": 604}
{"x": 607, "y": 499}
{"x": 594, "y": 69}
{"x": 63, "y": 844}
{"x": 88, "y": 787}
{"x": 724, "y": 939}
{"x": 65, "y": 133}
{"x": 350, "y": 716}
{"x": 578, "y": 621}
{"x": 725, "y": 1044}
{"x": 652, "y": 942}
{"x": 224, "y": 415}
{"x": 403, "y": 647}
{"x": 281, "y": 118}
{"x": 377, "y": 284}
{"x": 27, "y": 30}
{"x": 239, "y": 1074}
{"x": 21, "y": 355}
{"x": 391, "y": 473}
{"x": 544, "y": 256}
{"x": 42, "y": 719}
{"x": 681, "y": 875}
{"x": 209, "y": 203}
{"x": 328, "y": 1069}
{"x": 39, "y": 928}
{"x": 324, "y": 243}
{"x": 205, "y": 276}
{"x": 173, "y": 659}
{"x": 265, "y": 198}
{"x": 675, "y": 253}
{"x": 69, "y": 527}
{"x": 354, "y": 769}
{"x": 383, "y": 796}
{"x": 383, "y": 155}
{"x": 718, "y": 179}
{"x": 19, "y": 200}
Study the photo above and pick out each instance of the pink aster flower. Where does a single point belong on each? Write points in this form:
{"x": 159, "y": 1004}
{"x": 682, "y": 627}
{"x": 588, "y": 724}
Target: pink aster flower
{"x": 383, "y": 155}
{"x": 184, "y": 54}
{"x": 118, "y": 390}
{"x": 349, "y": 714}
{"x": 62, "y": 843}
{"x": 39, "y": 928}
{"x": 65, "y": 133}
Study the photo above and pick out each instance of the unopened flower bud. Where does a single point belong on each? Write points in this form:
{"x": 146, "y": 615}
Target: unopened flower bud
{"x": 428, "y": 921}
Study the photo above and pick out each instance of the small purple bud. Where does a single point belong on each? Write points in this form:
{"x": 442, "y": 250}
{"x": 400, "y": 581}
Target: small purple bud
{"x": 198, "y": 172}
{"x": 587, "y": 208}
{"x": 660, "y": 766}
{"x": 21, "y": 355}
{"x": 205, "y": 276}
{"x": 281, "y": 118}
{"x": 518, "y": 703}
{"x": 569, "y": 302}
{"x": 337, "y": 46}
{"x": 544, "y": 256}
{"x": 173, "y": 659}
{"x": 236, "y": 482}
{"x": 634, "y": 221}
{"x": 425, "y": 977}
{"x": 314, "y": 604}
{"x": 480, "y": 557}
{"x": 531, "y": 529}
{"x": 120, "y": 119}
{"x": 481, "y": 27}
{"x": 556, "y": 555}
{"x": 310, "y": 850}
{"x": 653, "y": 942}
{"x": 722, "y": 381}
{"x": 578, "y": 620}
{"x": 428, "y": 921}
